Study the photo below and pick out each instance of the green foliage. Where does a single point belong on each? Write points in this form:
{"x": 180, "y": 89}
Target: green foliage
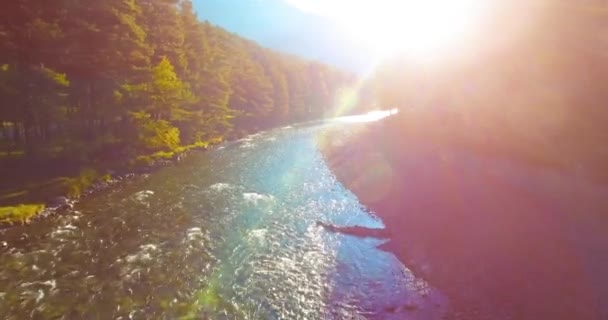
{"x": 106, "y": 178}
{"x": 88, "y": 80}
{"x": 88, "y": 176}
{"x": 165, "y": 155}
{"x": 167, "y": 93}
{"x": 156, "y": 134}
{"x": 76, "y": 186}
{"x": 20, "y": 214}
{"x": 60, "y": 79}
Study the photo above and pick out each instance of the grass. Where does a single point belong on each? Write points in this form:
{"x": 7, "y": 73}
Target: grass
{"x": 20, "y": 214}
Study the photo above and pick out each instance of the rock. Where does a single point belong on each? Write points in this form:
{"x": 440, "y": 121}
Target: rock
{"x": 61, "y": 202}
{"x": 158, "y": 164}
{"x": 97, "y": 186}
{"x": 143, "y": 169}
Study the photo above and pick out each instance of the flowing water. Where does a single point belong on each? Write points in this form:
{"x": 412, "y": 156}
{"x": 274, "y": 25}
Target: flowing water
{"x": 226, "y": 234}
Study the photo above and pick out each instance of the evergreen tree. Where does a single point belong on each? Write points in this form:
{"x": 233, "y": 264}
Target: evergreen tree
{"x": 165, "y": 32}
{"x": 86, "y": 77}
{"x": 167, "y": 93}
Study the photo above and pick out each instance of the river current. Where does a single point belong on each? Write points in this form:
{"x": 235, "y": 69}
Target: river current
{"x": 230, "y": 233}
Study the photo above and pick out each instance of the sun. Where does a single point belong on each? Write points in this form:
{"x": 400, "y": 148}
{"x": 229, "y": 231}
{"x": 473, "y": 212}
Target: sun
{"x": 420, "y": 28}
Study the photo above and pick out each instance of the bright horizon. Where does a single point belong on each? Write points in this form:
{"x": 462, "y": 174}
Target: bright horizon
{"x": 420, "y": 29}
{"x": 352, "y": 35}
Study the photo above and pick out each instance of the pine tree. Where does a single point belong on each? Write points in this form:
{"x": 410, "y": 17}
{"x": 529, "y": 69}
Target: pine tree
{"x": 165, "y": 32}
{"x": 87, "y": 76}
{"x": 167, "y": 93}
{"x": 252, "y": 93}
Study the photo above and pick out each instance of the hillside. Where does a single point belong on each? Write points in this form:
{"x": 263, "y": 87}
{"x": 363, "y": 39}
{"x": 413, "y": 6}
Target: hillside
{"x": 90, "y": 86}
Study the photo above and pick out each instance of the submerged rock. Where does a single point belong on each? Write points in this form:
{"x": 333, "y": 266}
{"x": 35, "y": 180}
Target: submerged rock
{"x": 356, "y": 231}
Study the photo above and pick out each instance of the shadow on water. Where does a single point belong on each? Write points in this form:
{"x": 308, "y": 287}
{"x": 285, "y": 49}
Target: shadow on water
{"x": 227, "y": 234}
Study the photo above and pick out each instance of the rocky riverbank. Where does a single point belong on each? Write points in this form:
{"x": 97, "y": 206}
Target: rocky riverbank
{"x": 503, "y": 240}
{"x": 88, "y": 183}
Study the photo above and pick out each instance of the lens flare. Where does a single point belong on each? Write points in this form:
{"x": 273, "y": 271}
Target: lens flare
{"x": 414, "y": 27}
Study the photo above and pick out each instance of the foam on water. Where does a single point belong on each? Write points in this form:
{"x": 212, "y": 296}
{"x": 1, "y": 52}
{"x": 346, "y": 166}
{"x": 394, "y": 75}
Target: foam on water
{"x": 221, "y": 186}
{"x": 257, "y": 198}
{"x": 144, "y": 254}
{"x": 225, "y": 235}
{"x": 258, "y": 235}
{"x": 247, "y": 145}
{"x": 64, "y": 230}
{"x": 194, "y": 234}
{"x": 143, "y": 195}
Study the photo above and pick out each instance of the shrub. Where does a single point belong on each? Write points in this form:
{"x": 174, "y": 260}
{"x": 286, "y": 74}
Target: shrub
{"x": 106, "y": 177}
{"x": 155, "y": 134}
{"x": 76, "y": 186}
{"x": 21, "y": 213}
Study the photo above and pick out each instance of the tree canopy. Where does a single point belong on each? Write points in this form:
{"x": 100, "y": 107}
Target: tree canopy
{"x": 133, "y": 75}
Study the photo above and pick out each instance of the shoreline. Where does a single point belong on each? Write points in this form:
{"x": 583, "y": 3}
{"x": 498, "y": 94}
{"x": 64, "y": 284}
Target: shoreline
{"x": 102, "y": 183}
{"x": 131, "y": 168}
{"x": 499, "y": 247}
{"x": 111, "y": 178}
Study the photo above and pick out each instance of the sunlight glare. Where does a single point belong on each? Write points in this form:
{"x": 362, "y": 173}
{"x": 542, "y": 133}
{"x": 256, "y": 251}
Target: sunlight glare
{"x": 420, "y": 28}
{"x": 368, "y": 117}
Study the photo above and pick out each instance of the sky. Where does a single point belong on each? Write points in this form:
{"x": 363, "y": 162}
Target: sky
{"x": 292, "y": 26}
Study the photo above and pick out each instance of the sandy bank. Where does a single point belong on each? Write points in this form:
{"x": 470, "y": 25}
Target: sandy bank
{"x": 502, "y": 239}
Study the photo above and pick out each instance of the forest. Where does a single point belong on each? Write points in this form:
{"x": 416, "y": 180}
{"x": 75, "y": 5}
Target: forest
{"x": 147, "y": 75}
{"x": 90, "y": 83}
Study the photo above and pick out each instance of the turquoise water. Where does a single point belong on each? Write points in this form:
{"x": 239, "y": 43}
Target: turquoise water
{"x": 226, "y": 234}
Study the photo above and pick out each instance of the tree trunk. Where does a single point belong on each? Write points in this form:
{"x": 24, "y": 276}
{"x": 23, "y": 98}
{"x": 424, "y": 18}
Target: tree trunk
{"x": 6, "y": 133}
{"x": 16, "y": 133}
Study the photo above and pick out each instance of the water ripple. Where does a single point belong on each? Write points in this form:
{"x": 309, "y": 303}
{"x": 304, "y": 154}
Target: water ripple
{"x": 227, "y": 234}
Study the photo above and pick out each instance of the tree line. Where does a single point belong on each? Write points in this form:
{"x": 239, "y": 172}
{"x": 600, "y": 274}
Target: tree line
{"x": 126, "y": 77}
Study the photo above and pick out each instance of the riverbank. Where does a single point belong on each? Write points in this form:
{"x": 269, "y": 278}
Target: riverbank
{"x": 34, "y": 194}
{"x": 228, "y": 233}
{"x": 504, "y": 239}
